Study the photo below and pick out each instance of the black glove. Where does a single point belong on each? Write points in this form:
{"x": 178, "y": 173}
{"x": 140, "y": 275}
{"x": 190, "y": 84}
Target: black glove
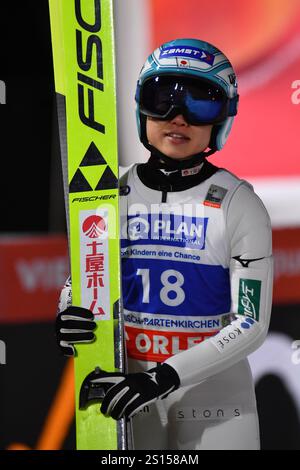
{"x": 74, "y": 325}
{"x": 125, "y": 395}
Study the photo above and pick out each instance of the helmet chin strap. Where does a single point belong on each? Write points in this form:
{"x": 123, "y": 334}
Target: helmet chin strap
{"x": 160, "y": 160}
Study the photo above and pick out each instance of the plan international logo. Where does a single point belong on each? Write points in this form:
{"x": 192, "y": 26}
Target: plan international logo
{"x": 165, "y": 228}
{"x": 2, "y": 92}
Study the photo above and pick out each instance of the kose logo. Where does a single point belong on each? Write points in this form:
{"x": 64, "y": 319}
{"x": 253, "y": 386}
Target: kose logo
{"x": 2, "y": 92}
{"x": 94, "y": 226}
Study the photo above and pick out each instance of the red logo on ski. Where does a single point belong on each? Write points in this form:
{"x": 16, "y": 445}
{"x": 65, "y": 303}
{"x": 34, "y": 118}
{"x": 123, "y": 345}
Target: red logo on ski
{"x": 94, "y": 226}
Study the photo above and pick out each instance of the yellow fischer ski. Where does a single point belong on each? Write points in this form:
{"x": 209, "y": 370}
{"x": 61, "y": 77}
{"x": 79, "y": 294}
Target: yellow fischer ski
{"x": 84, "y": 66}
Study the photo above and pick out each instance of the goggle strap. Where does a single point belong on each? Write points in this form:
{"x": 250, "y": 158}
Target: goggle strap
{"x": 232, "y": 109}
{"x": 138, "y": 92}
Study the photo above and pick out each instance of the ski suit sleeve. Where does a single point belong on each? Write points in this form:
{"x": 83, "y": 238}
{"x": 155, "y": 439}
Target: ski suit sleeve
{"x": 249, "y": 234}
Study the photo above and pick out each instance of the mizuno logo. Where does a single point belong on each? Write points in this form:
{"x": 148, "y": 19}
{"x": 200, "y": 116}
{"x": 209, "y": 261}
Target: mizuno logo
{"x": 245, "y": 262}
{"x": 167, "y": 173}
{"x": 153, "y": 377}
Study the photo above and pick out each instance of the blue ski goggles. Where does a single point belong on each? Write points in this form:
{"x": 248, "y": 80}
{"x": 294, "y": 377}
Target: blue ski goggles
{"x": 199, "y": 101}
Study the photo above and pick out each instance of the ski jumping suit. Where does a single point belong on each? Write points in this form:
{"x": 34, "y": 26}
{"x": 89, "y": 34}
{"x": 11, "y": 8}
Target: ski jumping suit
{"x": 197, "y": 279}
